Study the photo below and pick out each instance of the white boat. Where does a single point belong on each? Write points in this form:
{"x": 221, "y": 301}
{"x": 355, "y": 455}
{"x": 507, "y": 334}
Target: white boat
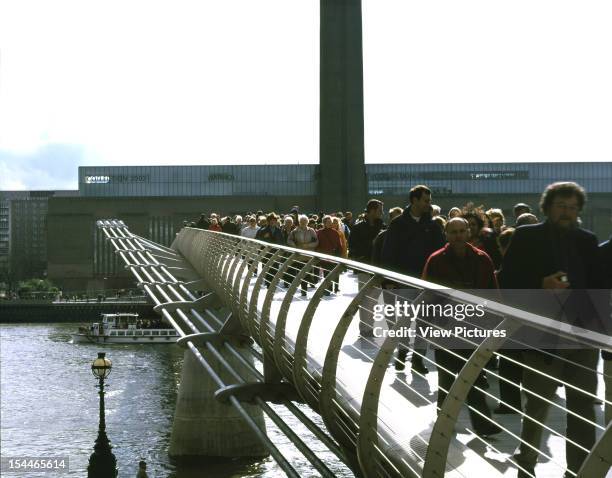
{"x": 124, "y": 329}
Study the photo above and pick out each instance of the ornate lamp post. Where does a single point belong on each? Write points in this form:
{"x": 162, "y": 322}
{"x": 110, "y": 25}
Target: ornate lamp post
{"x": 102, "y": 462}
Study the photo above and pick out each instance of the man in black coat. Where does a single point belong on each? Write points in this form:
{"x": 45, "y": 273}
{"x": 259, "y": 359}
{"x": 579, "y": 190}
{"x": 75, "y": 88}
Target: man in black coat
{"x": 271, "y": 233}
{"x": 229, "y": 227}
{"x": 413, "y": 236}
{"x": 203, "y": 222}
{"x": 360, "y": 249}
{"x": 605, "y": 256}
{"x": 379, "y": 240}
{"x": 556, "y": 255}
{"x": 410, "y": 240}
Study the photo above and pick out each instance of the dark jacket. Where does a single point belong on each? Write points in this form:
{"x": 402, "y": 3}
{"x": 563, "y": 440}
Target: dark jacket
{"x": 408, "y": 243}
{"x": 203, "y": 223}
{"x": 230, "y": 228}
{"x": 361, "y": 238}
{"x": 605, "y": 257}
{"x": 537, "y": 251}
{"x": 272, "y": 235}
{"x": 532, "y": 256}
{"x": 488, "y": 240}
{"x": 377, "y": 245}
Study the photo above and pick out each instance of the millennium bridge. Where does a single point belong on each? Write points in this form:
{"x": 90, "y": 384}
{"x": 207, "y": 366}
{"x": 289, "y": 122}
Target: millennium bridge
{"x": 252, "y": 339}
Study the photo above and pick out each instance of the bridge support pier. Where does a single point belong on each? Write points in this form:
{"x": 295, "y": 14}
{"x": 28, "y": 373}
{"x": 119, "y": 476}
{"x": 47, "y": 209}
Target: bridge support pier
{"x": 203, "y": 426}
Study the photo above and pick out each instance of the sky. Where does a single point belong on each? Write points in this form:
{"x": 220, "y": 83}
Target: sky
{"x": 236, "y": 82}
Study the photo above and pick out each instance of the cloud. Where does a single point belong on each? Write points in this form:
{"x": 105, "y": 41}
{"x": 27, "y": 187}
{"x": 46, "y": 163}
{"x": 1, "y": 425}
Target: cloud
{"x": 216, "y": 88}
{"x": 53, "y": 166}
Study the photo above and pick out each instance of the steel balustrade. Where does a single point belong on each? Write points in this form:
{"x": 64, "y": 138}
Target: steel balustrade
{"x": 117, "y": 236}
{"x": 224, "y": 266}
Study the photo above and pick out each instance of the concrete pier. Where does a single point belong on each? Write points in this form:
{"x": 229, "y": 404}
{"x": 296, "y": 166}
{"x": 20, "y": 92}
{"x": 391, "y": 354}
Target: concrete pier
{"x": 205, "y": 427}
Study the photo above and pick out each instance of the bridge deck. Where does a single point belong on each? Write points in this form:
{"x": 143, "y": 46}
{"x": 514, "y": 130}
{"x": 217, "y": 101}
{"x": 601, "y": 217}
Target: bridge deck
{"x": 408, "y": 423}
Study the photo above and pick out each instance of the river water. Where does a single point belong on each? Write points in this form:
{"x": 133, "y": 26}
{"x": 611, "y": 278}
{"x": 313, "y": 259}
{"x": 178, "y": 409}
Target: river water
{"x": 49, "y": 407}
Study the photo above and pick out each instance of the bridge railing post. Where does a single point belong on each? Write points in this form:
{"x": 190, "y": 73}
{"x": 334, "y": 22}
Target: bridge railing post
{"x": 328, "y": 395}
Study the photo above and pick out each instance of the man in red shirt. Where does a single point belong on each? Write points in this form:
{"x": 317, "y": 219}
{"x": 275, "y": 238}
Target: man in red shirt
{"x": 329, "y": 243}
{"x": 460, "y": 265}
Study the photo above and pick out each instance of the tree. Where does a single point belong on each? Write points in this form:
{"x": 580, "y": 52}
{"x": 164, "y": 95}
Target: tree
{"x": 36, "y": 287}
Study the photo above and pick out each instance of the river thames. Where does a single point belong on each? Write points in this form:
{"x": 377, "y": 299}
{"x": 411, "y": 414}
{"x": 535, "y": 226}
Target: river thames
{"x": 49, "y": 407}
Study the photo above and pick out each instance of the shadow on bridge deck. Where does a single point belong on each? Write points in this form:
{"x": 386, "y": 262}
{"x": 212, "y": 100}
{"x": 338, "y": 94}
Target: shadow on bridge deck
{"x": 407, "y": 410}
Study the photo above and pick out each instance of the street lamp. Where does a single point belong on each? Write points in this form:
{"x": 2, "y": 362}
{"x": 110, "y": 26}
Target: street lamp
{"x": 102, "y": 462}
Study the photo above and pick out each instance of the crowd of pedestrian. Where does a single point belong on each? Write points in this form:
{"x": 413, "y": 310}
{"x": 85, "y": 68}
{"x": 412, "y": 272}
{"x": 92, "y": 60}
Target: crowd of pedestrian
{"x": 469, "y": 247}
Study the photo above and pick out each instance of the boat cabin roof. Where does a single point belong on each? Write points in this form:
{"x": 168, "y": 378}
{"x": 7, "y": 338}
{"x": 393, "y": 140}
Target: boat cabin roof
{"x": 131, "y": 318}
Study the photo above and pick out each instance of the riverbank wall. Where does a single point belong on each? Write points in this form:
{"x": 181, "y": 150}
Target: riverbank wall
{"x": 43, "y": 311}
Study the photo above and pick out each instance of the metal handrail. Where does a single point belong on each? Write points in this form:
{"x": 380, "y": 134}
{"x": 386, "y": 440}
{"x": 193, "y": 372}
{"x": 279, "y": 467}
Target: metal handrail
{"x": 526, "y": 318}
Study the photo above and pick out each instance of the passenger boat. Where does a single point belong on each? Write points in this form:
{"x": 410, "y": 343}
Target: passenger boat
{"x": 125, "y": 328}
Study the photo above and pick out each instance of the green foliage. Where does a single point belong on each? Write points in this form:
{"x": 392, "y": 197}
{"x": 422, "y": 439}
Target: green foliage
{"x": 36, "y": 287}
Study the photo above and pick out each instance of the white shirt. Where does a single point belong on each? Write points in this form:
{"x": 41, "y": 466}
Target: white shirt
{"x": 249, "y": 232}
